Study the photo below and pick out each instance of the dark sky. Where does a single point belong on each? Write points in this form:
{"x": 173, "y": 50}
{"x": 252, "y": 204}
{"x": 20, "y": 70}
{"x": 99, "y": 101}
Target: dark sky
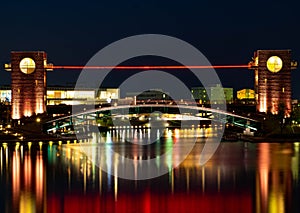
{"x": 226, "y": 32}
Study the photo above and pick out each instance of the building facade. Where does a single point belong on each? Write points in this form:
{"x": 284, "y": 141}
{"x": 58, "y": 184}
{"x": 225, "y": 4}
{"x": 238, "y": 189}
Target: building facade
{"x": 245, "y": 94}
{"x": 273, "y": 80}
{"x": 152, "y": 94}
{"x": 67, "y": 95}
{"x": 217, "y": 94}
{"x": 5, "y": 94}
{"x": 28, "y": 83}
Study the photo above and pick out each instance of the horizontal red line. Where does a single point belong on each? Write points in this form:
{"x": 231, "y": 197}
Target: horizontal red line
{"x": 150, "y": 67}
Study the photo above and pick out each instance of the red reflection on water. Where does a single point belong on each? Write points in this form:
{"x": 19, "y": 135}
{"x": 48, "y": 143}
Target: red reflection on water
{"x": 39, "y": 184}
{"x": 16, "y": 178}
{"x": 27, "y": 172}
{"x": 263, "y": 171}
{"x": 147, "y": 202}
{"x": 153, "y": 202}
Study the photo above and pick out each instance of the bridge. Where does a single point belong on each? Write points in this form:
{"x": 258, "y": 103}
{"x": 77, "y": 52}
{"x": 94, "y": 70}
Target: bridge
{"x": 142, "y": 113}
{"x": 272, "y": 86}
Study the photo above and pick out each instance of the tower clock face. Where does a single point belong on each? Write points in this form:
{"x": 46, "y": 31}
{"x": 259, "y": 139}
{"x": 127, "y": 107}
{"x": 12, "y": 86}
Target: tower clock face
{"x": 274, "y": 64}
{"x": 27, "y": 65}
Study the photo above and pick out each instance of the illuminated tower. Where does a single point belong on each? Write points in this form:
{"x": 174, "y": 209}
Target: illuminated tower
{"x": 273, "y": 79}
{"x": 28, "y": 83}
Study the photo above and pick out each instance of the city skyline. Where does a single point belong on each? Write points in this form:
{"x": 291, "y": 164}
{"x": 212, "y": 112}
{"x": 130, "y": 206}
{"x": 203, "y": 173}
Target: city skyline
{"x": 149, "y": 106}
{"x": 225, "y": 32}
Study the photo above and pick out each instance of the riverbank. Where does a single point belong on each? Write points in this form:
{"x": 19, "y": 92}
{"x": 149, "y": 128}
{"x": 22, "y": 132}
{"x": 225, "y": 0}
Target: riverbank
{"x": 271, "y": 139}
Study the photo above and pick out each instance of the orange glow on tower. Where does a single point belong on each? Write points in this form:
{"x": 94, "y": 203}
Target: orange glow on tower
{"x": 28, "y": 83}
{"x": 273, "y": 80}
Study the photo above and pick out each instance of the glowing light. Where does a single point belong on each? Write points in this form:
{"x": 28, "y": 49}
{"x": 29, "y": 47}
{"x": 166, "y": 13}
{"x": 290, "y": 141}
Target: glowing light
{"x": 27, "y": 110}
{"x": 29, "y": 145}
{"x": 263, "y": 173}
{"x": 274, "y": 64}
{"x": 27, "y": 65}
{"x": 177, "y": 133}
{"x": 27, "y": 203}
{"x": 256, "y": 61}
{"x": 152, "y": 67}
{"x": 39, "y": 178}
{"x": 16, "y": 111}
{"x": 40, "y": 144}
{"x": 27, "y": 171}
{"x": 39, "y": 106}
{"x": 116, "y": 180}
{"x": 169, "y": 134}
{"x": 276, "y": 201}
{"x": 17, "y": 146}
{"x": 4, "y": 145}
{"x": 16, "y": 178}
{"x": 263, "y": 104}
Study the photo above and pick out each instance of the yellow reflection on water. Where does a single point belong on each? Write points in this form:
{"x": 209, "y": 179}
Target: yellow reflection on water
{"x": 116, "y": 180}
{"x": 276, "y": 201}
{"x": 274, "y": 177}
{"x": 27, "y": 202}
{"x": 295, "y": 162}
{"x": 39, "y": 181}
{"x": 16, "y": 178}
{"x": 277, "y": 165}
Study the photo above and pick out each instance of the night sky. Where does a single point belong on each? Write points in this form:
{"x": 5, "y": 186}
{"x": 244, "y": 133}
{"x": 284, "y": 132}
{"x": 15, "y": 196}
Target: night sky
{"x": 226, "y": 32}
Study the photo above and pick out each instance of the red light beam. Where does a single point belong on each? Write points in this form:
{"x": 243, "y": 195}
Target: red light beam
{"x": 150, "y": 67}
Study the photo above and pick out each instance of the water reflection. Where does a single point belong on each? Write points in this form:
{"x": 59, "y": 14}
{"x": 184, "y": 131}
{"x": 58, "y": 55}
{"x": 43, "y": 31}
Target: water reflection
{"x": 241, "y": 177}
{"x": 275, "y": 177}
{"x": 16, "y": 177}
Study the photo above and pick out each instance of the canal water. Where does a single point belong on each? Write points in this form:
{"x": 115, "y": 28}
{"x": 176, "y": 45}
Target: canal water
{"x": 239, "y": 177}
